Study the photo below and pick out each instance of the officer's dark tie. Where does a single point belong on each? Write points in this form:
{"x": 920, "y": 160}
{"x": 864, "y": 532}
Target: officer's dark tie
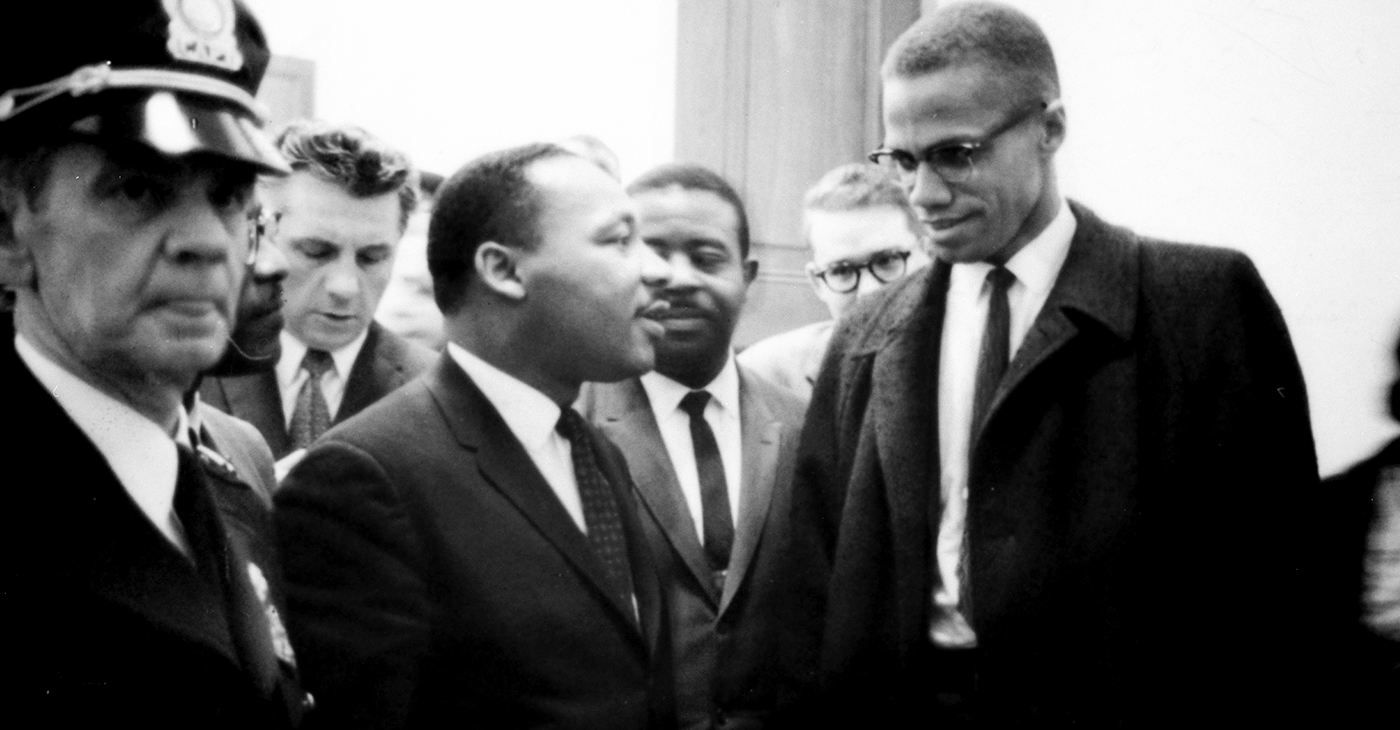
{"x": 600, "y": 509}
{"x": 714, "y": 492}
{"x": 312, "y": 416}
{"x": 996, "y": 346}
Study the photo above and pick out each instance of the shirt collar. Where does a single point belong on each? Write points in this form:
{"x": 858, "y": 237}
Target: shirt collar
{"x": 294, "y": 351}
{"x": 140, "y": 453}
{"x": 1036, "y": 265}
{"x": 665, "y": 394}
{"x": 528, "y": 413}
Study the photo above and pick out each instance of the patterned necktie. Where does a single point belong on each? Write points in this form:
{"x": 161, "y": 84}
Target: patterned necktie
{"x": 601, "y": 512}
{"x": 996, "y": 346}
{"x": 716, "y": 518}
{"x": 312, "y": 416}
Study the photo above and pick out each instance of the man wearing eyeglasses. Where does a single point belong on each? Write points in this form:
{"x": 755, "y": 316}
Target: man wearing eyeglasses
{"x": 863, "y": 235}
{"x": 1059, "y": 477}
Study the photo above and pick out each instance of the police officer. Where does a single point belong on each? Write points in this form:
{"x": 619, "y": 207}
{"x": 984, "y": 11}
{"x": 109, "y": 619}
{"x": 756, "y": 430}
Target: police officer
{"x": 129, "y": 145}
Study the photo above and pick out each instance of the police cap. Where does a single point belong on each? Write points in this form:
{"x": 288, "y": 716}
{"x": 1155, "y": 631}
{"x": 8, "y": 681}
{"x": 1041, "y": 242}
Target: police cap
{"x": 177, "y": 75}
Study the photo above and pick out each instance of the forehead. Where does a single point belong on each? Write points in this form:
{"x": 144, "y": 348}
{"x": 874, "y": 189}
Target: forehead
{"x": 675, "y": 211}
{"x": 576, "y": 196}
{"x": 943, "y": 105}
{"x": 314, "y": 208}
{"x": 854, "y": 235}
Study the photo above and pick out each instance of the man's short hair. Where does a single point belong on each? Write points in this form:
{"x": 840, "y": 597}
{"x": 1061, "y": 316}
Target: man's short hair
{"x": 857, "y": 186}
{"x": 351, "y": 158}
{"x": 690, "y": 176}
{"x": 992, "y": 34}
{"x": 489, "y": 199}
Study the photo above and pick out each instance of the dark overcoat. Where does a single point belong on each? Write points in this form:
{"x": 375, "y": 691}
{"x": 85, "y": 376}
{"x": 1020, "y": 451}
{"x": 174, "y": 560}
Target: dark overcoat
{"x": 1136, "y": 500}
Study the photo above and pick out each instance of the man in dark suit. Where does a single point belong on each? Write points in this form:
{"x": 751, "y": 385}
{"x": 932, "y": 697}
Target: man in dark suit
{"x": 711, "y": 449}
{"x": 1061, "y": 475}
{"x": 134, "y": 572}
{"x": 466, "y": 550}
{"x": 338, "y": 219}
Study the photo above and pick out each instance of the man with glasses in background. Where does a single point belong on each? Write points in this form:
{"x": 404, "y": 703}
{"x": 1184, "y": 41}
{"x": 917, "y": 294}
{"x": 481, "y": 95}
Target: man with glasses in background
{"x": 863, "y": 235}
{"x": 1061, "y": 475}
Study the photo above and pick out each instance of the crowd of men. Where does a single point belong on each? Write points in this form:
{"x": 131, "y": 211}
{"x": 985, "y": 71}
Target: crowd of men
{"x": 1036, "y": 470}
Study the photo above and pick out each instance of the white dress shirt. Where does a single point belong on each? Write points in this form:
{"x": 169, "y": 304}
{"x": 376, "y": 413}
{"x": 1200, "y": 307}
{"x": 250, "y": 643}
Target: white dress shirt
{"x": 141, "y": 454}
{"x": 1036, "y": 267}
{"x": 291, "y": 376}
{"x": 531, "y": 417}
{"x": 721, "y": 413}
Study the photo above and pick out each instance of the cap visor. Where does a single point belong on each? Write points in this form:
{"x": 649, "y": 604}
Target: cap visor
{"x": 177, "y": 124}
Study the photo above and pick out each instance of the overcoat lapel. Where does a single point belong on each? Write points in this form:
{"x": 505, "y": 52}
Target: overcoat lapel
{"x": 626, "y": 417}
{"x": 904, "y": 401}
{"x": 761, "y": 438}
{"x": 1096, "y": 293}
{"x": 506, "y": 466}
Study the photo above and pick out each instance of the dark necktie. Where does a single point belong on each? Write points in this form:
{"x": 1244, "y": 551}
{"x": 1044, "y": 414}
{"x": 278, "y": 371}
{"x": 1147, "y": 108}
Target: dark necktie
{"x": 312, "y": 416}
{"x": 714, "y": 492}
{"x": 996, "y": 346}
{"x": 601, "y": 512}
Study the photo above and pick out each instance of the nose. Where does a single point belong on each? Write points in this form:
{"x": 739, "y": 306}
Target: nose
{"x": 203, "y": 234}
{"x": 656, "y": 272}
{"x": 868, "y": 284}
{"x": 270, "y": 265}
{"x": 929, "y": 190}
{"x": 343, "y": 279}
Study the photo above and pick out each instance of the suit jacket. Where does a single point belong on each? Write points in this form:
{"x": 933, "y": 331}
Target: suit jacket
{"x": 1135, "y": 512}
{"x": 111, "y": 624}
{"x": 791, "y": 359}
{"x": 386, "y": 361}
{"x": 725, "y": 644}
{"x": 435, "y": 577}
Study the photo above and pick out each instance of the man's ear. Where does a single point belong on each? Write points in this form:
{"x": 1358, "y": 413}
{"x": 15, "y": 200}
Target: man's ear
{"x": 497, "y": 266}
{"x": 750, "y": 270}
{"x": 1054, "y": 127}
{"x": 813, "y": 279}
{"x": 16, "y": 262}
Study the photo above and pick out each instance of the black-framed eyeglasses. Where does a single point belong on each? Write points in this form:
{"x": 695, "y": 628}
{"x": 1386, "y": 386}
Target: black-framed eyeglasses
{"x": 954, "y": 162}
{"x": 843, "y": 277}
{"x": 262, "y": 224}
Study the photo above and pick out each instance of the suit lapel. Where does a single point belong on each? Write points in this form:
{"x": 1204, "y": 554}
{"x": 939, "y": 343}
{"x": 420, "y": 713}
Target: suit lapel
{"x": 506, "y": 466}
{"x": 257, "y": 400}
{"x": 761, "y": 437}
{"x": 626, "y": 417}
{"x": 366, "y": 382}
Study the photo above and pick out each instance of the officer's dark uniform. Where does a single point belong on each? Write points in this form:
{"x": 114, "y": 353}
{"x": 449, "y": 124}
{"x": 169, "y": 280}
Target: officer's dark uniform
{"x": 105, "y": 622}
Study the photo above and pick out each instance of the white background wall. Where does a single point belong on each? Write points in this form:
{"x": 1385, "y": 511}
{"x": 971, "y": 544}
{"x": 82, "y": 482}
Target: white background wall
{"x": 447, "y": 80}
{"x": 1272, "y": 126}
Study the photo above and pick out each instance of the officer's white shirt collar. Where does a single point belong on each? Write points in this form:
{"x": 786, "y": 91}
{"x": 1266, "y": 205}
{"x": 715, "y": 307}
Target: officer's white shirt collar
{"x": 290, "y": 376}
{"x": 140, "y": 453}
{"x": 665, "y": 394}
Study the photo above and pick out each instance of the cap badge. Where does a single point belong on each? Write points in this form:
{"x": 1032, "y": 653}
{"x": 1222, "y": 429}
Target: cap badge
{"x": 201, "y": 31}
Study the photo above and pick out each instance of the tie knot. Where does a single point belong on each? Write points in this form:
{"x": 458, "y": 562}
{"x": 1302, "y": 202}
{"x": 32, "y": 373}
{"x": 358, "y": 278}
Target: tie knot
{"x": 694, "y": 403}
{"x": 571, "y": 425}
{"x": 1001, "y": 278}
{"x": 317, "y": 362}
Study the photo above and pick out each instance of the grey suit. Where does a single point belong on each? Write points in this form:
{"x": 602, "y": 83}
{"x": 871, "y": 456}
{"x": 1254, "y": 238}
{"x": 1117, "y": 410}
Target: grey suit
{"x": 724, "y": 644}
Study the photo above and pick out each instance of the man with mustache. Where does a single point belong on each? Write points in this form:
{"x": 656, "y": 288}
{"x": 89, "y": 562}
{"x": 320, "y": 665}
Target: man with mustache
{"x": 1063, "y": 475}
{"x": 337, "y": 219}
{"x": 466, "y": 550}
{"x": 711, "y": 448}
{"x": 134, "y": 594}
